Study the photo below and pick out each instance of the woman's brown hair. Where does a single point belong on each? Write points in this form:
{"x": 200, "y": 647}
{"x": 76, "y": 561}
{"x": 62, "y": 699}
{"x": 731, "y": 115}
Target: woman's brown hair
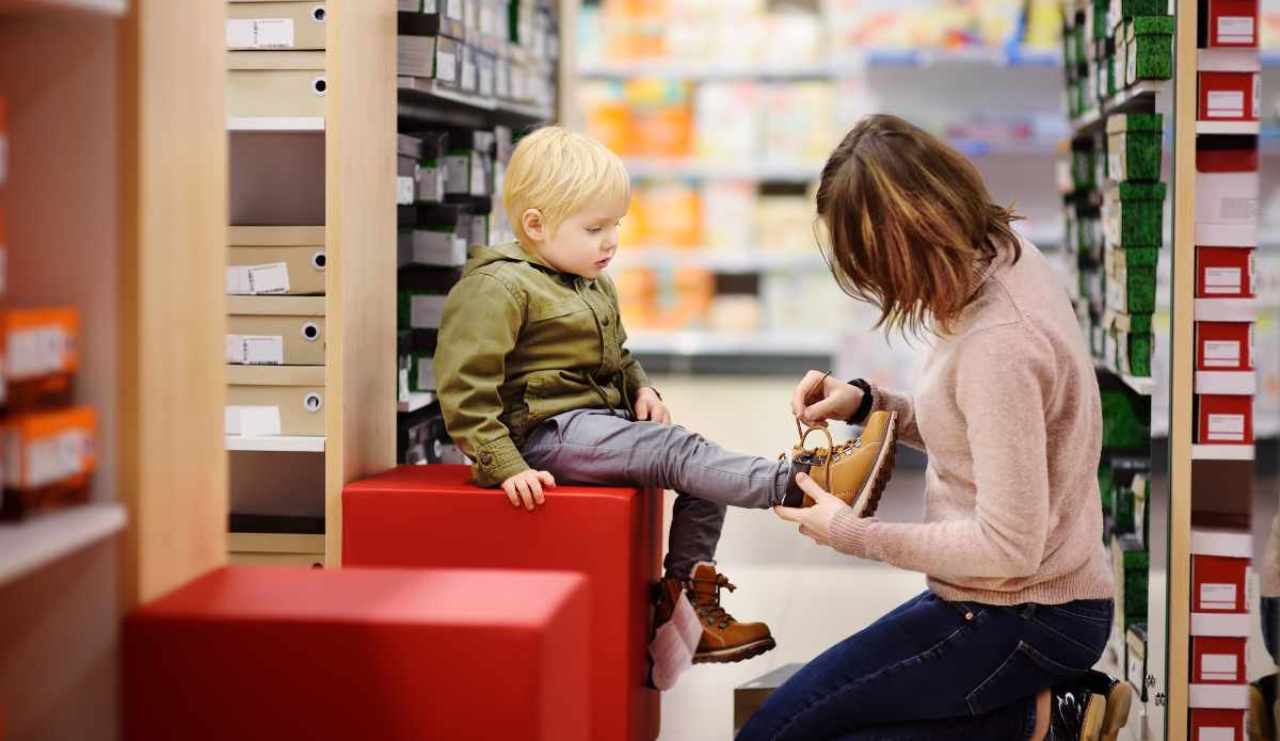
{"x": 910, "y": 224}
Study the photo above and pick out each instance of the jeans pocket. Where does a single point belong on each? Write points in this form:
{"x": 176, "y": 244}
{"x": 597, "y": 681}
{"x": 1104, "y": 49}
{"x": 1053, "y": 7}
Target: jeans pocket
{"x": 1097, "y": 610}
{"x": 1025, "y": 672}
{"x": 1070, "y": 635}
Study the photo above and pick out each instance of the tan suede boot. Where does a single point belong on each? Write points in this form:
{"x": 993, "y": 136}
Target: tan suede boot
{"x": 856, "y": 472}
{"x": 724, "y": 639}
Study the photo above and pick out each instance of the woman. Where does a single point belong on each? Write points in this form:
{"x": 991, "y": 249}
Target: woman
{"x": 1020, "y": 588}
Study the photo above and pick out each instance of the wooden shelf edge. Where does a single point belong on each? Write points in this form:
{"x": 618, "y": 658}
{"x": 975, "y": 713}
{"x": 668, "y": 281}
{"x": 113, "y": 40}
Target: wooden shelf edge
{"x": 31, "y": 544}
{"x": 111, "y": 8}
{"x": 1222, "y": 452}
{"x": 276, "y": 444}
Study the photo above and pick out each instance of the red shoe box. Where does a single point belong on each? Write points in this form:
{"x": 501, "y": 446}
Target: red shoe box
{"x": 1227, "y": 191}
{"x": 1224, "y": 346}
{"x": 1218, "y": 660}
{"x": 1232, "y": 23}
{"x": 1230, "y": 85}
{"x": 1217, "y": 725}
{"x": 4, "y": 140}
{"x": 1218, "y": 584}
{"x": 1224, "y": 272}
{"x": 1224, "y": 420}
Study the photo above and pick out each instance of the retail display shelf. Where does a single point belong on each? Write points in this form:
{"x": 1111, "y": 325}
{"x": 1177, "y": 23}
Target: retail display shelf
{"x": 744, "y": 261}
{"x": 276, "y": 443}
{"x": 791, "y": 172}
{"x": 1222, "y": 452}
{"x": 695, "y": 342}
{"x": 416, "y": 401}
{"x": 1236, "y": 383}
{"x": 707, "y": 72}
{"x": 278, "y": 124}
{"x": 100, "y": 7}
{"x": 1228, "y": 127}
{"x": 1142, "y": 386}
{"x": 28, "y": 545}
{"x": 1144, "y": 90}
{"x": 1226, "y": 309}
{"x": 431, "y": 91}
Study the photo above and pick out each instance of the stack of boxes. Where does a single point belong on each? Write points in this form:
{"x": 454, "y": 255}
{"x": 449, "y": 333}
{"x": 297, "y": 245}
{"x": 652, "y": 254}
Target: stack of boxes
{"x": 495, "y": 50}
{"x": 1220, "y": 629}
{"x": 48, "y": 440}
{"x": 276, "y": 62}
{"x": 1109, "y": 46}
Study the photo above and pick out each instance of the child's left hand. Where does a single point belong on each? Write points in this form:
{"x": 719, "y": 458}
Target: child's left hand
{"x": 649, "y": 407}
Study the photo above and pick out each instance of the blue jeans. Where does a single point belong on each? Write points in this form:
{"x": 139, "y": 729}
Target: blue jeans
{"x": 934, "y": 669}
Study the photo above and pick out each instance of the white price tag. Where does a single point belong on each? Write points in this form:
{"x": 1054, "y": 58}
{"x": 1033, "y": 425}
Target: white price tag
{"x": 426, "y": 312}
{"x": 274, "y": 33}
{"x": 270, "y": 278}
{"x": 446, "y": 67}
{"x": 1218, "y": 597}
{"x": 1234, "y": 29}
{"x": 1226, "y": 104}
{"x": 54, "y": 459}
{"x": 402, "y": 376}
{"x": 1221, "y": 353}
{"x": 1238, "y": 209}
{"x": 1222, "y": 280}
{"x": 404, "y": 190}
{"x": 1226, "y": 428}
{"x": 255, "y": 349}
{"x": 1219, "y": 668}
{"x": 37, "y": 352}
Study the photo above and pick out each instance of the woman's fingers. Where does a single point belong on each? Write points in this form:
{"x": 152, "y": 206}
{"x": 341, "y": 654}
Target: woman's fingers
{"x": 811, "y": 382}
{"x": 812, "y": 488}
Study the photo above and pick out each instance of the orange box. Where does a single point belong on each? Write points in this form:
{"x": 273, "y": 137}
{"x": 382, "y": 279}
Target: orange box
{"x": 41, "y": 353}
{"x": 50, "y": 456}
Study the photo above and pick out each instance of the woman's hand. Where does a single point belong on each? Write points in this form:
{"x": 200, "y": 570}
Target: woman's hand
{"x": 819, "y": 397}
{"x": 814, "y": 521}
{"x": 649, "y": 407}
{"x": 527, "y": 486}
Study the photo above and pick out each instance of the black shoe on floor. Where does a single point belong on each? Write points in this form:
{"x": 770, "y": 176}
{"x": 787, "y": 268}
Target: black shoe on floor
{"x": 1092, "y": 708}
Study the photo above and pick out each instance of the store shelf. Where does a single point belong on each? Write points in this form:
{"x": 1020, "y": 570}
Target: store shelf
{"x": 1144, "y": 91}
{"x": 744, "y": 261}
{"x": 277, "y": 443}
{"x": 707, "y": 73}
{"x": 32, "y": 543}
{"x": 1139, "y": 385}
{"x": 1226, "y": 309}
{"x": 1228, "y": 127}
{"x": 696, "y": 342}
{"x": 278, "y": 124}
{"x": 99, "y": 7}
{"x": 1222, "y": 452}
{"x": 415, "y": 402}
{"x": 792, "y": 172}
{"x": 425, "y": 99}
{"x": 1235, "y": 383}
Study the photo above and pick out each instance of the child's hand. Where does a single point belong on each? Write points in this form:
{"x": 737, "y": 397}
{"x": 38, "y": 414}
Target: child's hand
{"x": 527, "y": 486}
{"x": 649, "y": 407}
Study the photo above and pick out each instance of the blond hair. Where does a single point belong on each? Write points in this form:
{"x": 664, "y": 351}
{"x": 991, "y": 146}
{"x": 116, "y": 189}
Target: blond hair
{"x": 910, "y": 224}
{"x": 558, "y": 172}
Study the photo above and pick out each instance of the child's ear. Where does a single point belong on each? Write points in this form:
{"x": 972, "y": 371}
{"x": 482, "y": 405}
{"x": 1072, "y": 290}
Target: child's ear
{"x": 533, "y": 226}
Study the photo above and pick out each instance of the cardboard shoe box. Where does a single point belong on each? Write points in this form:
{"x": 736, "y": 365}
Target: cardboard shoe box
{"x": 1229, "y": 85}
{"x": 275, "y": 330}
{"x": 1217, "y": 725}
{"x": 41, "y": 352}
{"x": 434, "y": 18}
{"x": 429, "y": 57}
{"x": 1149, "y": 45}
{"x": 296, "y": 24}
{"x": 1134, "y": 146}
{"x": 265, "y": 401}
{"x": 1224, "y": 346}
{"x": 276, "y": 84}
{"x": 1224, "y": 420}
{"x": 1227, "y": 191}
{"x": 1229, "y": 24}
{"x": 276, "y": 260}
{"x": 49, "y": 459}
{"x": 1133, "y": 214}
{"x": 1224, "y": 272}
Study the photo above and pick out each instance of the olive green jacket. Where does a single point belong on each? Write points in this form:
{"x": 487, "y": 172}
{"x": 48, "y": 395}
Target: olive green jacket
{"x": 521, "y": 342}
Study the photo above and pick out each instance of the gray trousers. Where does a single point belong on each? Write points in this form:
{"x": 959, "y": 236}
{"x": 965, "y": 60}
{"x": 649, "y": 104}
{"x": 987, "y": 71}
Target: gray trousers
{"x": 594, "y": 446}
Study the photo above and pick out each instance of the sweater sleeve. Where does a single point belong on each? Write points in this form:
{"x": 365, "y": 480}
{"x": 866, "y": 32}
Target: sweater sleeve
{"x": 883, "y": 399}
{"x": 1001, "y": 394}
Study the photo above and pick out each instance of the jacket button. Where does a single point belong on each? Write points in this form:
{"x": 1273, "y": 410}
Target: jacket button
{"x": 605, "y": 321}
{"x": 486, "y": 458}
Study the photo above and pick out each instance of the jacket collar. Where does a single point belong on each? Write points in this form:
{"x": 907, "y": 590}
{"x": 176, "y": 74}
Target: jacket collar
{"x": 514, "y": 251}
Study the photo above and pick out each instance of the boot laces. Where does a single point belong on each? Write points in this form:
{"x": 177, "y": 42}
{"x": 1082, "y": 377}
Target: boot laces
{"x": 708, "y": 606}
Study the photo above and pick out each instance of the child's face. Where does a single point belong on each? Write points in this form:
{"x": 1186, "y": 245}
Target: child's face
{"x": 585, "y": 242}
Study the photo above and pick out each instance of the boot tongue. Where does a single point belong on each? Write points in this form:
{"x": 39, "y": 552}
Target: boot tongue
{"x": 702, "y": 587}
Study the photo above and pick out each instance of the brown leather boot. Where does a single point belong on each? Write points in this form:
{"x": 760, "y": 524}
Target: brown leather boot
{"x": 856, "y": 472}
{"x": 724, "y": 640}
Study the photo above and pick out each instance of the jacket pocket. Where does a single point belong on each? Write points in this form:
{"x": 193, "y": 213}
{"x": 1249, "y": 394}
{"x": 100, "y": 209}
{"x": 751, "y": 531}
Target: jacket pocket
{"x": 541, "y": 390}
{"x": 545, "y": 309}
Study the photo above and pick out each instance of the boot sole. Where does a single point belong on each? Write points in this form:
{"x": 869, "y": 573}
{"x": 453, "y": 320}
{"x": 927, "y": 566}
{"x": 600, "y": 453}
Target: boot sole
{"x": 1119, "y": 700}
{"x": 736, "y": 654}
{"x": 869, "y": 499}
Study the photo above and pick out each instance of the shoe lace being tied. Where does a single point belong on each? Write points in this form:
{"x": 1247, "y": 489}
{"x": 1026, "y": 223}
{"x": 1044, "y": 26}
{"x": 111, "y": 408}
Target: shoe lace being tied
{"x": 712, "y": 611}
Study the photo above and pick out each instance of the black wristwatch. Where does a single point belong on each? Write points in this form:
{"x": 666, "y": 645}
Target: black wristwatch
{"x": 864, "y": 408}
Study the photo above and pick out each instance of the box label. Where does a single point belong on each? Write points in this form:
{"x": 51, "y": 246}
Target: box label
{"x": 425, "y": 312}
{"x": 1222, "y": 280}
{"x": 1226, "y": 428}
{"x": 457, "y": 175}
{"x": 431, "y": 185}
{"x": 446, "y": 67}
{"x": 426, "y": 374}
{"x": 1218, "y": 597}
{"x": 57, "y": 458}
{"x": 270, "y": 278}
{"x": 37, "y": 352}
{"x": 453, "y": 9}
{"x": 1222, "y": 354}
{"x": 255, "y": 349}
{"x": 1226, "y": 104}
{"x": 240, "y": 33}
{"x": 404, "y": 190}
{"x": 260, "y": 33}
{"x": 1234, "y": 29}
{"x": 253, "y": 421}
{"x": 1216, "y": 733}
{"x": 1219, "y": 668}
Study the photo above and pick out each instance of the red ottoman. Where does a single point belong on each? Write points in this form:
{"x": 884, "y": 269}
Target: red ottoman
{"x": 432, "y": 516}
{"x": 273, "y": 653}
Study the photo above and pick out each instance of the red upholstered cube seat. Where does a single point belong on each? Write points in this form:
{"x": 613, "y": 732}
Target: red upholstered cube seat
{"x": 431, "y": 516}
{"x": 276, "y": 653}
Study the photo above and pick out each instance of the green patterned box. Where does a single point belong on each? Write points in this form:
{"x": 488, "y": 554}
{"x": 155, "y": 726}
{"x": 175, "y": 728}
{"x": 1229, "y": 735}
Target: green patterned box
{"x": 1150, "y": 42}
{"x": 1133, "y": 214}
{"x": 1130, "y": 289}
{"x": 1130, "y": 8}
{"x": 1106, "y": 486}
{"x": 1126, "y": 420}
{"x": 1134, "y": 147}
{"x": 1083, "y": 167}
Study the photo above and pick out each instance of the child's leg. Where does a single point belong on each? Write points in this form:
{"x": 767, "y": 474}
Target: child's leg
{"x": 595, "y": 447}
{"x": 695, "y": 532}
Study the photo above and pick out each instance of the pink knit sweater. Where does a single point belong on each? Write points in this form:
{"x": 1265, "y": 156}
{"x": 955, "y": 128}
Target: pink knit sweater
{"x": 1007, "y": 409}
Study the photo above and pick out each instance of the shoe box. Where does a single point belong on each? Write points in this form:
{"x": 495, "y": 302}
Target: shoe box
{"x": 1213, "y": 724}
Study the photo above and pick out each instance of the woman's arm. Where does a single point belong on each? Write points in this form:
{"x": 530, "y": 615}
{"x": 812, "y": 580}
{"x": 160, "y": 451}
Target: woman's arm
{"x": 1002, "y": 398}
